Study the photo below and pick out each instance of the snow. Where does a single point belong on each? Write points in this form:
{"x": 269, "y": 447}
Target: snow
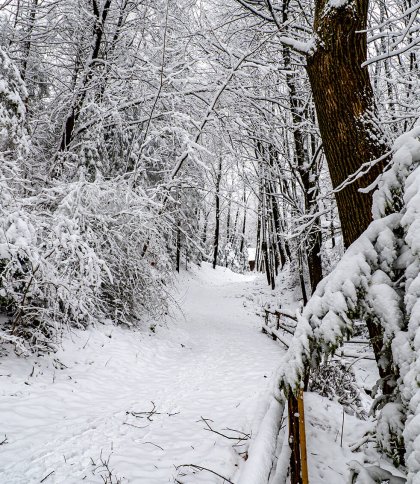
{"x": 329, "y": 443}
{"x": 62, "y": 412}
{"x": 303, "y": 47}
{"x": 338, "y": 3}
{"x": 259, "y": 464}
{"x": 251, "y": 253}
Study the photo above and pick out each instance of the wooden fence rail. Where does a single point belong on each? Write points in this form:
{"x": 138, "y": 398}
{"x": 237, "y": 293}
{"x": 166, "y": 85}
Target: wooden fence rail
{"x": 280, "y": 324}
{"x": 286, "y": 322}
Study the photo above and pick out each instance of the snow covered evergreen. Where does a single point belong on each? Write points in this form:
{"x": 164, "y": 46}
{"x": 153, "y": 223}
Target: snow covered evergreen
{"x": 377, "y": 279}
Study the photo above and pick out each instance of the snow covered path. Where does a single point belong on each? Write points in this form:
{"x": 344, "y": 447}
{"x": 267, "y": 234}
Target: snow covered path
{"x": 61, "y": 412}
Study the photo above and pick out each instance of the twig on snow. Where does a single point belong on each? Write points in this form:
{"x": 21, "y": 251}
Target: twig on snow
{"x": 136, "y": 426}
{"x": 149, "y": 414}
{"x": 46, "y": 477}
{"x": 151, "y": 443}
{"x": 229, "y": 437}
{"x": 201, "y": 468}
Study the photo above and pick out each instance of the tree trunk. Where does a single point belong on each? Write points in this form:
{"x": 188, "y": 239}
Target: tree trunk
{"x": 204, "y": 236}
{"x": 178, "y": 247}
{"x": 28, "y": 42}
{"x": 346, "y": 113}
{"x": 241, "y": 247}
{"x": 258, "y": 244}
{"x": 345, "y": 108}
{"x": 305, "y": 169}
{"x": 217, "y": 228}
{"x": 76, "y": 107}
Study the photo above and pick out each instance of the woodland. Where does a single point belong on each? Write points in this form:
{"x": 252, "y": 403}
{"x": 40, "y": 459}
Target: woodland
{"x": 140, "y": 138}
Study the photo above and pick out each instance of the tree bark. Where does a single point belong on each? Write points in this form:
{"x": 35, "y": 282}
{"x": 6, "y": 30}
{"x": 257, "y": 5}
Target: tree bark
{"x": 178, "y": 247}
{"x": 76, "y": 107}
{"x": 345, "y": 108}
{"x": 217, "y": 228}
{"x": 242, "y": 244}
{"x": 304, "y": 168}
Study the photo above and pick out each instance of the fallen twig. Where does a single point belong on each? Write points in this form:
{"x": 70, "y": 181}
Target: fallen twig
{"x": 201, "y": 468}
{"x": 149, "y": 414}
{"x": 151, "y": 443}
{"x": 46, "y": 477}
{"x": 136, "y": 426}
{"x": 229, "y": 437}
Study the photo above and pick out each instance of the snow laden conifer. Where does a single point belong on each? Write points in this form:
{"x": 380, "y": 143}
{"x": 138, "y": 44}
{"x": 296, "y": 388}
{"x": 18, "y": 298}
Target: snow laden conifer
{"x": 378, "y": 279}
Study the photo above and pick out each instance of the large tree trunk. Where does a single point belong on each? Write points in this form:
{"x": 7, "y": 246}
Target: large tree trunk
{"x": 345, "y": 107}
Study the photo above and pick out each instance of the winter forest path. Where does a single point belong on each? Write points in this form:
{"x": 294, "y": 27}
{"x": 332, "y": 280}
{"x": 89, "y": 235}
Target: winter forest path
{"x": 62, "y": 412}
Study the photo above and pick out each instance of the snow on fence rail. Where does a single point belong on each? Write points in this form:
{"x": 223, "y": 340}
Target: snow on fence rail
{"x": 261, "y": 454}
{"x": 259, "y": 468}
{"x": 273, "y": 328}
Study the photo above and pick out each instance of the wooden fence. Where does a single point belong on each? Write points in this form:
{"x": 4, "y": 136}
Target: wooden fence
{"x": 280, "y": 325}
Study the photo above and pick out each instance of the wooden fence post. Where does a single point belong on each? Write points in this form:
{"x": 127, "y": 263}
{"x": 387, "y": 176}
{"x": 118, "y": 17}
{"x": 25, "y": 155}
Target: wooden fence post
{"x": 294, "y": 440}
{"x": 302, "y": 439}
{"x": 297, "y": 440}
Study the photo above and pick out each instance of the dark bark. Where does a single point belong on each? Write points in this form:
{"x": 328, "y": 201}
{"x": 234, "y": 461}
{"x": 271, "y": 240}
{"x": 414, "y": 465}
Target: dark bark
{"x": 305, "y": 169}
{"x": 276, "y": 214}
{"x": 75, "y": 109}
{"x": 217, "y": 227}
{"x": 346, "y": 113}
{"x": 204, "y": 236}
{"x": 294, "y": 440}
{"x": 302, "y": 278}
{"x": 241, "y": 247}
{"x": 267, "y": 246}
{"x": 314, "y": 240}
{"x": 258, "y": 245}
{"x": 345, "y": 108}
{"x": 264, "y": 250}
{"x": 178, "y": 247}
{"x": 332, "y": 229}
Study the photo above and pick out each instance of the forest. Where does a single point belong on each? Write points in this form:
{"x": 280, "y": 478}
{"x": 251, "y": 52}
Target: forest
{"x": 151, "y": 147}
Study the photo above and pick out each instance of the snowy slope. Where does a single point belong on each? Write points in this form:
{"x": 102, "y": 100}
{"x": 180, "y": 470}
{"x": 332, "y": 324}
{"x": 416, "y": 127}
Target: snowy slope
{"x": 61, "y": 413}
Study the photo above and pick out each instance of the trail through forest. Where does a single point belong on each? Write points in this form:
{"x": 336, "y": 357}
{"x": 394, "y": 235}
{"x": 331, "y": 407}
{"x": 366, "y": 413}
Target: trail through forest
{"x": 140, "y": 400}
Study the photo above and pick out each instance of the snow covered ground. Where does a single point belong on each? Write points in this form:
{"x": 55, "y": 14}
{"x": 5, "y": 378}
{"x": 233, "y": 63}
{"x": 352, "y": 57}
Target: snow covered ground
{"x": 115, "y": 405}
{"x": 65, "y": 414}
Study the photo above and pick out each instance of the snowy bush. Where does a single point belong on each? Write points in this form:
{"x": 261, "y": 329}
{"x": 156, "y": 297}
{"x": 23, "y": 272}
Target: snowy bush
{"x": 119, "y": 222}
{"x": 334, "y": 380}
{"x": 50, "y": 277}
{"x": 80, "y": 260}
{"x": 377, "y": 280}
{"x": 70, "y": 254}
{"x": 14, "y": 142}
{"x": 231, "y": 257}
